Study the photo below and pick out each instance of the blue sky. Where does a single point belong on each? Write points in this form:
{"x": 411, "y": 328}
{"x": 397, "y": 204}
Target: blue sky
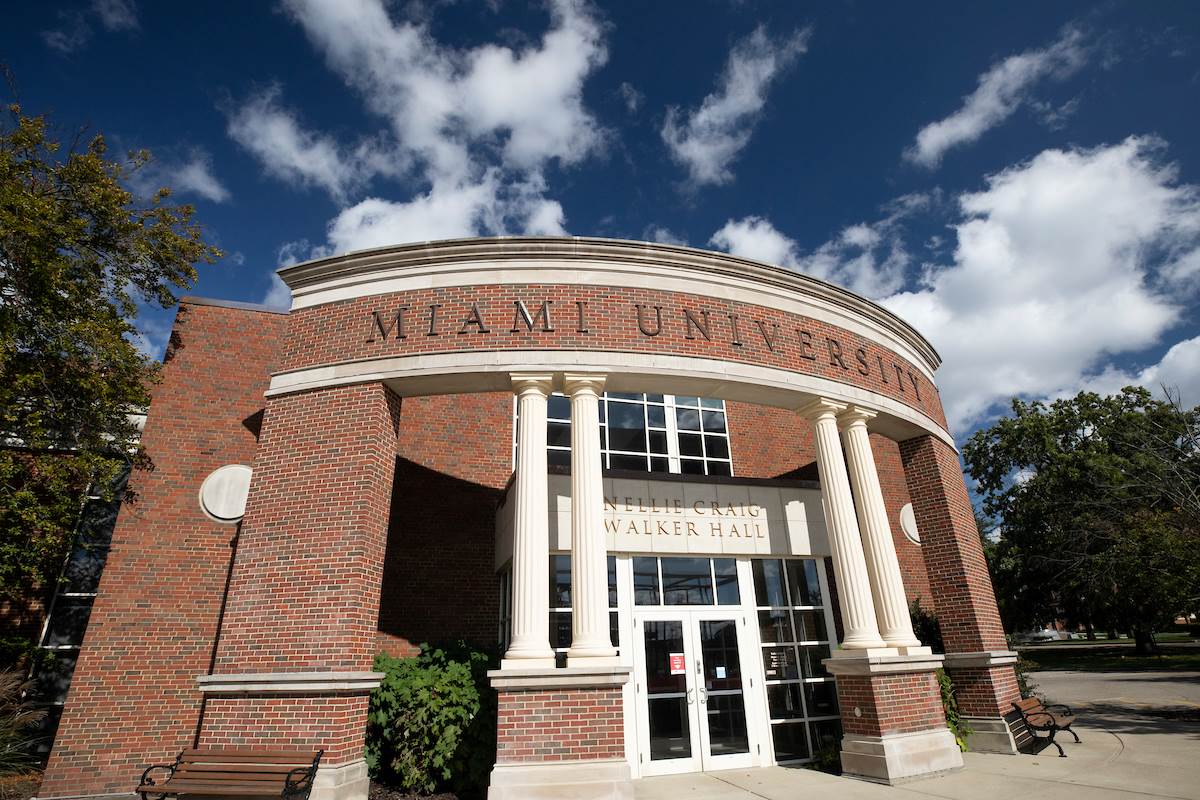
{"x": 1021, "y": 182}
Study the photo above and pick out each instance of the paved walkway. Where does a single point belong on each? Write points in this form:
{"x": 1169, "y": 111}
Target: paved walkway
{"x": 1141, "y": 739}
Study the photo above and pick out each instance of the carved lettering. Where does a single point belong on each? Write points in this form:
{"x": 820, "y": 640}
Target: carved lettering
{"x": 899, "y": 377}
{"x": 475, "y": 319}
{"x": 522, "y": 315}
{"x": 737, "y": 336}
{"x": 882, "y": 371}
{"x": 806, "y": 346}
{"x": 433, "y": 307}
{"x": 581, "y": 325}
{"x": 397, "y": 324}
{"x": 642, "y": 321}
{"x": 860, "y": 356}
{"x": 769, "y": 338}
{"x": 916, "y": 389}
{"x": 835, "y": 354}
{"x": 695, "y": 324}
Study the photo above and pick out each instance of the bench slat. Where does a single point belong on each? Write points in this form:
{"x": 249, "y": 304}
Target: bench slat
{"x": 259, "y": 777}
{"x": 208, "y": 754}
{"x": 205, "y": 766}
{"x": 207, "y": 787}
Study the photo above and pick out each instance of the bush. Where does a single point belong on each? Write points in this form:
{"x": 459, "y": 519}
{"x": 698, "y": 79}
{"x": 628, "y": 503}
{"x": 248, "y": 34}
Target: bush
{"x": 1025, "y": 683}
{"x": 926, "y": 627}
{"x": 432, "y": 721}
{"x": 17, "y": 718}
{"x": 957, "y": 725}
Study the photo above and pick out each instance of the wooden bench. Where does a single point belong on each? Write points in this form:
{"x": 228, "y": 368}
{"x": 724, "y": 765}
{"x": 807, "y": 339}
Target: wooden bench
{"x": 1038, "y": 716}
{"x": 234, "y": 772}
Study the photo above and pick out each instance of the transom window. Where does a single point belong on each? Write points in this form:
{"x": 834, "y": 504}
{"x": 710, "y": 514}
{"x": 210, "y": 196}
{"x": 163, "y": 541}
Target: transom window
{"x": 680, "y": 581}
{"x": 801, "y": 695}
{"x": 649, "y": 433}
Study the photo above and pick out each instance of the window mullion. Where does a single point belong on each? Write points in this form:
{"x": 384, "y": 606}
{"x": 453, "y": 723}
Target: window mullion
{"x": 672, "y": 434}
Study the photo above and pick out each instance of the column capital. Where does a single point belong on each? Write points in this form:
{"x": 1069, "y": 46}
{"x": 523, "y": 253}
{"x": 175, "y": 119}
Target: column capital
{"x": 584, "y": 381}
{"x": 524, "y": 382}
{"x": 820, "y": 407}
{"x": 854, "y": 415}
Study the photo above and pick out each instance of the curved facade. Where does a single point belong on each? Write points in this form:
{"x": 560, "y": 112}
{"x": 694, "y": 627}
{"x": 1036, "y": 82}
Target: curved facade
{"x": 673, "y": 479}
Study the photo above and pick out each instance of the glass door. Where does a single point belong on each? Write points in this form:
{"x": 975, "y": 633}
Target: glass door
{"x": 691, "y": 691}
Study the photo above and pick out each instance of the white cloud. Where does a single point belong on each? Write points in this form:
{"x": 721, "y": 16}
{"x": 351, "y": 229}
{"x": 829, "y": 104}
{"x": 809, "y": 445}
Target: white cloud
{"x": 657, "y": 233}
{"x": 868, "y": 258}
{"x": 278, "y": 296}
{"x": 1001, "y": 90}
{"x": 188, "y": 175}
{"x": 706, "y": 140}
{"x": 275, "y": 136}
{"x": 474, "y": 128}
{"x": 1061, "y": 263}
{"x": 1178, "y": 370}
{"x": 632, "y": 97}
{"x": 75, "y": 29}
{"x": 116, "y": 15}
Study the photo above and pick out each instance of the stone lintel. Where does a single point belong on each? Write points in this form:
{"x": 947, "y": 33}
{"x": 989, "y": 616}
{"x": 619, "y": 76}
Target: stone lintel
{"x": 571, "y": 780}
{"x": 983, "y": 658}
{"x": 871, "y": 664}
{"x": 610, "y": 676}
{"x": 290, "y": 682}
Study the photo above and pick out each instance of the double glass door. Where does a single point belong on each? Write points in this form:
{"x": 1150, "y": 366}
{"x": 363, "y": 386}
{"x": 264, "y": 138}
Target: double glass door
{"x": 692, "y": 691}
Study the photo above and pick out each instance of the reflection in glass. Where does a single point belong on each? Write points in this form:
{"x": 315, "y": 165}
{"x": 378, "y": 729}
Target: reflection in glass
{"x": 768, "y": 582}
{"x": 68, "y": 621}
{"x": 666, "y": 694}
{"x": 783, "y": 700}
{"x": 827, "y": 735}
{"x": 687, "y": 582}
{"x": 626, "y": 428}
{"x": 726, "y": 707}
{"x": 813, "y": 655}
{"x": 560, "y": 581}
{"x": 810, "y": 626}
{"x": 802, "y": 579}
{"x": 775, "y": 626}
{"x": 714, "y": 422}
{"x": 687, "y": 419}
{"x": 791, "y": 744}
{"x": 821, "y": 699}
{"x": 779, "y": 663}
{"x": 725, "y": 571}
{"x": 645, "y": 581}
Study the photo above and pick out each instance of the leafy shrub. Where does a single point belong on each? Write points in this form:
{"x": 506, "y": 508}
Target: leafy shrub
{"x": 17, "y": 717}
{"x": 1023, "y": 667}
{"x": 432, "y": 721}
{"x": 926, "y": 626}
{"x": 954, "y": 721}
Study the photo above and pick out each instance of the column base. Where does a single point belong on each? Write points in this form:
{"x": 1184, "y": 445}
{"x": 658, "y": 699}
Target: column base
{"x": 900, "y": 757}
{"x": 537, "y": 662}
{"x": 990, "y": 735}
{"x": 347, "y": 781}
{"x": 577, "y": 780}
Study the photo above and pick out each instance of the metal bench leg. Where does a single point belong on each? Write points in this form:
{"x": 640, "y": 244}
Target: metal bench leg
{"x": 1061, "y": 754}
{"x": 1073, "y": 733}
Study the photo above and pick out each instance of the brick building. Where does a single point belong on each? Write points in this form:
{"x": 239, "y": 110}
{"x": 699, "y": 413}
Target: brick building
{"x": 690, "y": 495}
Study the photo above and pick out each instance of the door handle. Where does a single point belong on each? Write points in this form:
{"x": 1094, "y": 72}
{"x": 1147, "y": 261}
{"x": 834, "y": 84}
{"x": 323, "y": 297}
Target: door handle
{"x": 703, "y": 695}
{"x": 688, "y": 696}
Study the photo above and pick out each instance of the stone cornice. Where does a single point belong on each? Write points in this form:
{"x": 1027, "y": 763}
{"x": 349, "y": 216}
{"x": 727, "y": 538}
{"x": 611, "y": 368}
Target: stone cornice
{"x": 288, "y": 682}
{"x": 560, "y": 678}
{"x": 505, "y": 252}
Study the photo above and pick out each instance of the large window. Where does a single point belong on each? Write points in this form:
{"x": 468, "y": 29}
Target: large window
{"x": 685, "y": 581}
{"x": 801, "y": 695}
{"x": 649, "y": 433}
{"x": 560, "y": 606}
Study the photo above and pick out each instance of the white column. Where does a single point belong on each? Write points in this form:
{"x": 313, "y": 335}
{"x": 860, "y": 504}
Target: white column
{"x": 530, "y": 646}
{"x": 590, "y": 641}
{"x": 845, "y": 543}
{"x": 883, "y": 568}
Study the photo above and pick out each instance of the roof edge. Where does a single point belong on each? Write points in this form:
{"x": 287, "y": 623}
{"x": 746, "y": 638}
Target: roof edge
{"x": 238, "y": 304}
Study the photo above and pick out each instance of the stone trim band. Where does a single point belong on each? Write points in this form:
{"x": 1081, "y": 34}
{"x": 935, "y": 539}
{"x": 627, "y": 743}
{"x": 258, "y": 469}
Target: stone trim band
{"x": 288, "y": 682}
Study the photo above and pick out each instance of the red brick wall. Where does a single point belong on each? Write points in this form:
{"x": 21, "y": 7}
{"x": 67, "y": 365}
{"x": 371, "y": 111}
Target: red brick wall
{"x": 890, "y": 704}
{"x": 334, "y": 723}
{"x": 345, "y": 330}
{"x": 768, "y": 442}
{"x": 439, "y": 577}
{"x": 958, "y": 575}
{"x": 305, "y": 588}
{"x": 133, "y": 698}
{"x": 895, "y": 497}
{"x": 559, "y": 725}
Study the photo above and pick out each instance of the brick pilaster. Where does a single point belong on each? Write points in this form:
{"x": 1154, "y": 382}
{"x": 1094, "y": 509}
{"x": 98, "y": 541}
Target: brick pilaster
{"x": 958, "y": 575}
{"x": 304, "y": 596}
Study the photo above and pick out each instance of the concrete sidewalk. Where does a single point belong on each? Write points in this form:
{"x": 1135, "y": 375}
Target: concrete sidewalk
{"x": 1140, "y": 732}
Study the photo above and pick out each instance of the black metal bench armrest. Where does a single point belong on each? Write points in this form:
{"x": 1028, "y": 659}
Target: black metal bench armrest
{"x": 299, "y": 781}
{"x": 149, "y": 781}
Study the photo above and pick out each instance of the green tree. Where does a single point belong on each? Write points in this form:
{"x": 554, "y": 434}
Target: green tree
{"x": 77, "y": 254}
{"x": 1092, "y": 497}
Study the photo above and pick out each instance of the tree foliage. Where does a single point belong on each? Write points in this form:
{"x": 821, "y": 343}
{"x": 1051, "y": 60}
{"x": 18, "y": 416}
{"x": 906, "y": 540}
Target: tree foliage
{"x": 1096, "y": 502}
{"x": 78, "y": 254}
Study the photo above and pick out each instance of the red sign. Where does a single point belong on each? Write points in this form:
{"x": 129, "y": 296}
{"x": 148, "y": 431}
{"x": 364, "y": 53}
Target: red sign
{"x": 678, "y": 666}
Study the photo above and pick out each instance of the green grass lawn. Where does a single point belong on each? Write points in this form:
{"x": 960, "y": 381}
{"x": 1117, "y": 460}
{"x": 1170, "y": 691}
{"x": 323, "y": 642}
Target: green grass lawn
{"x": 1110, "y": 659}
